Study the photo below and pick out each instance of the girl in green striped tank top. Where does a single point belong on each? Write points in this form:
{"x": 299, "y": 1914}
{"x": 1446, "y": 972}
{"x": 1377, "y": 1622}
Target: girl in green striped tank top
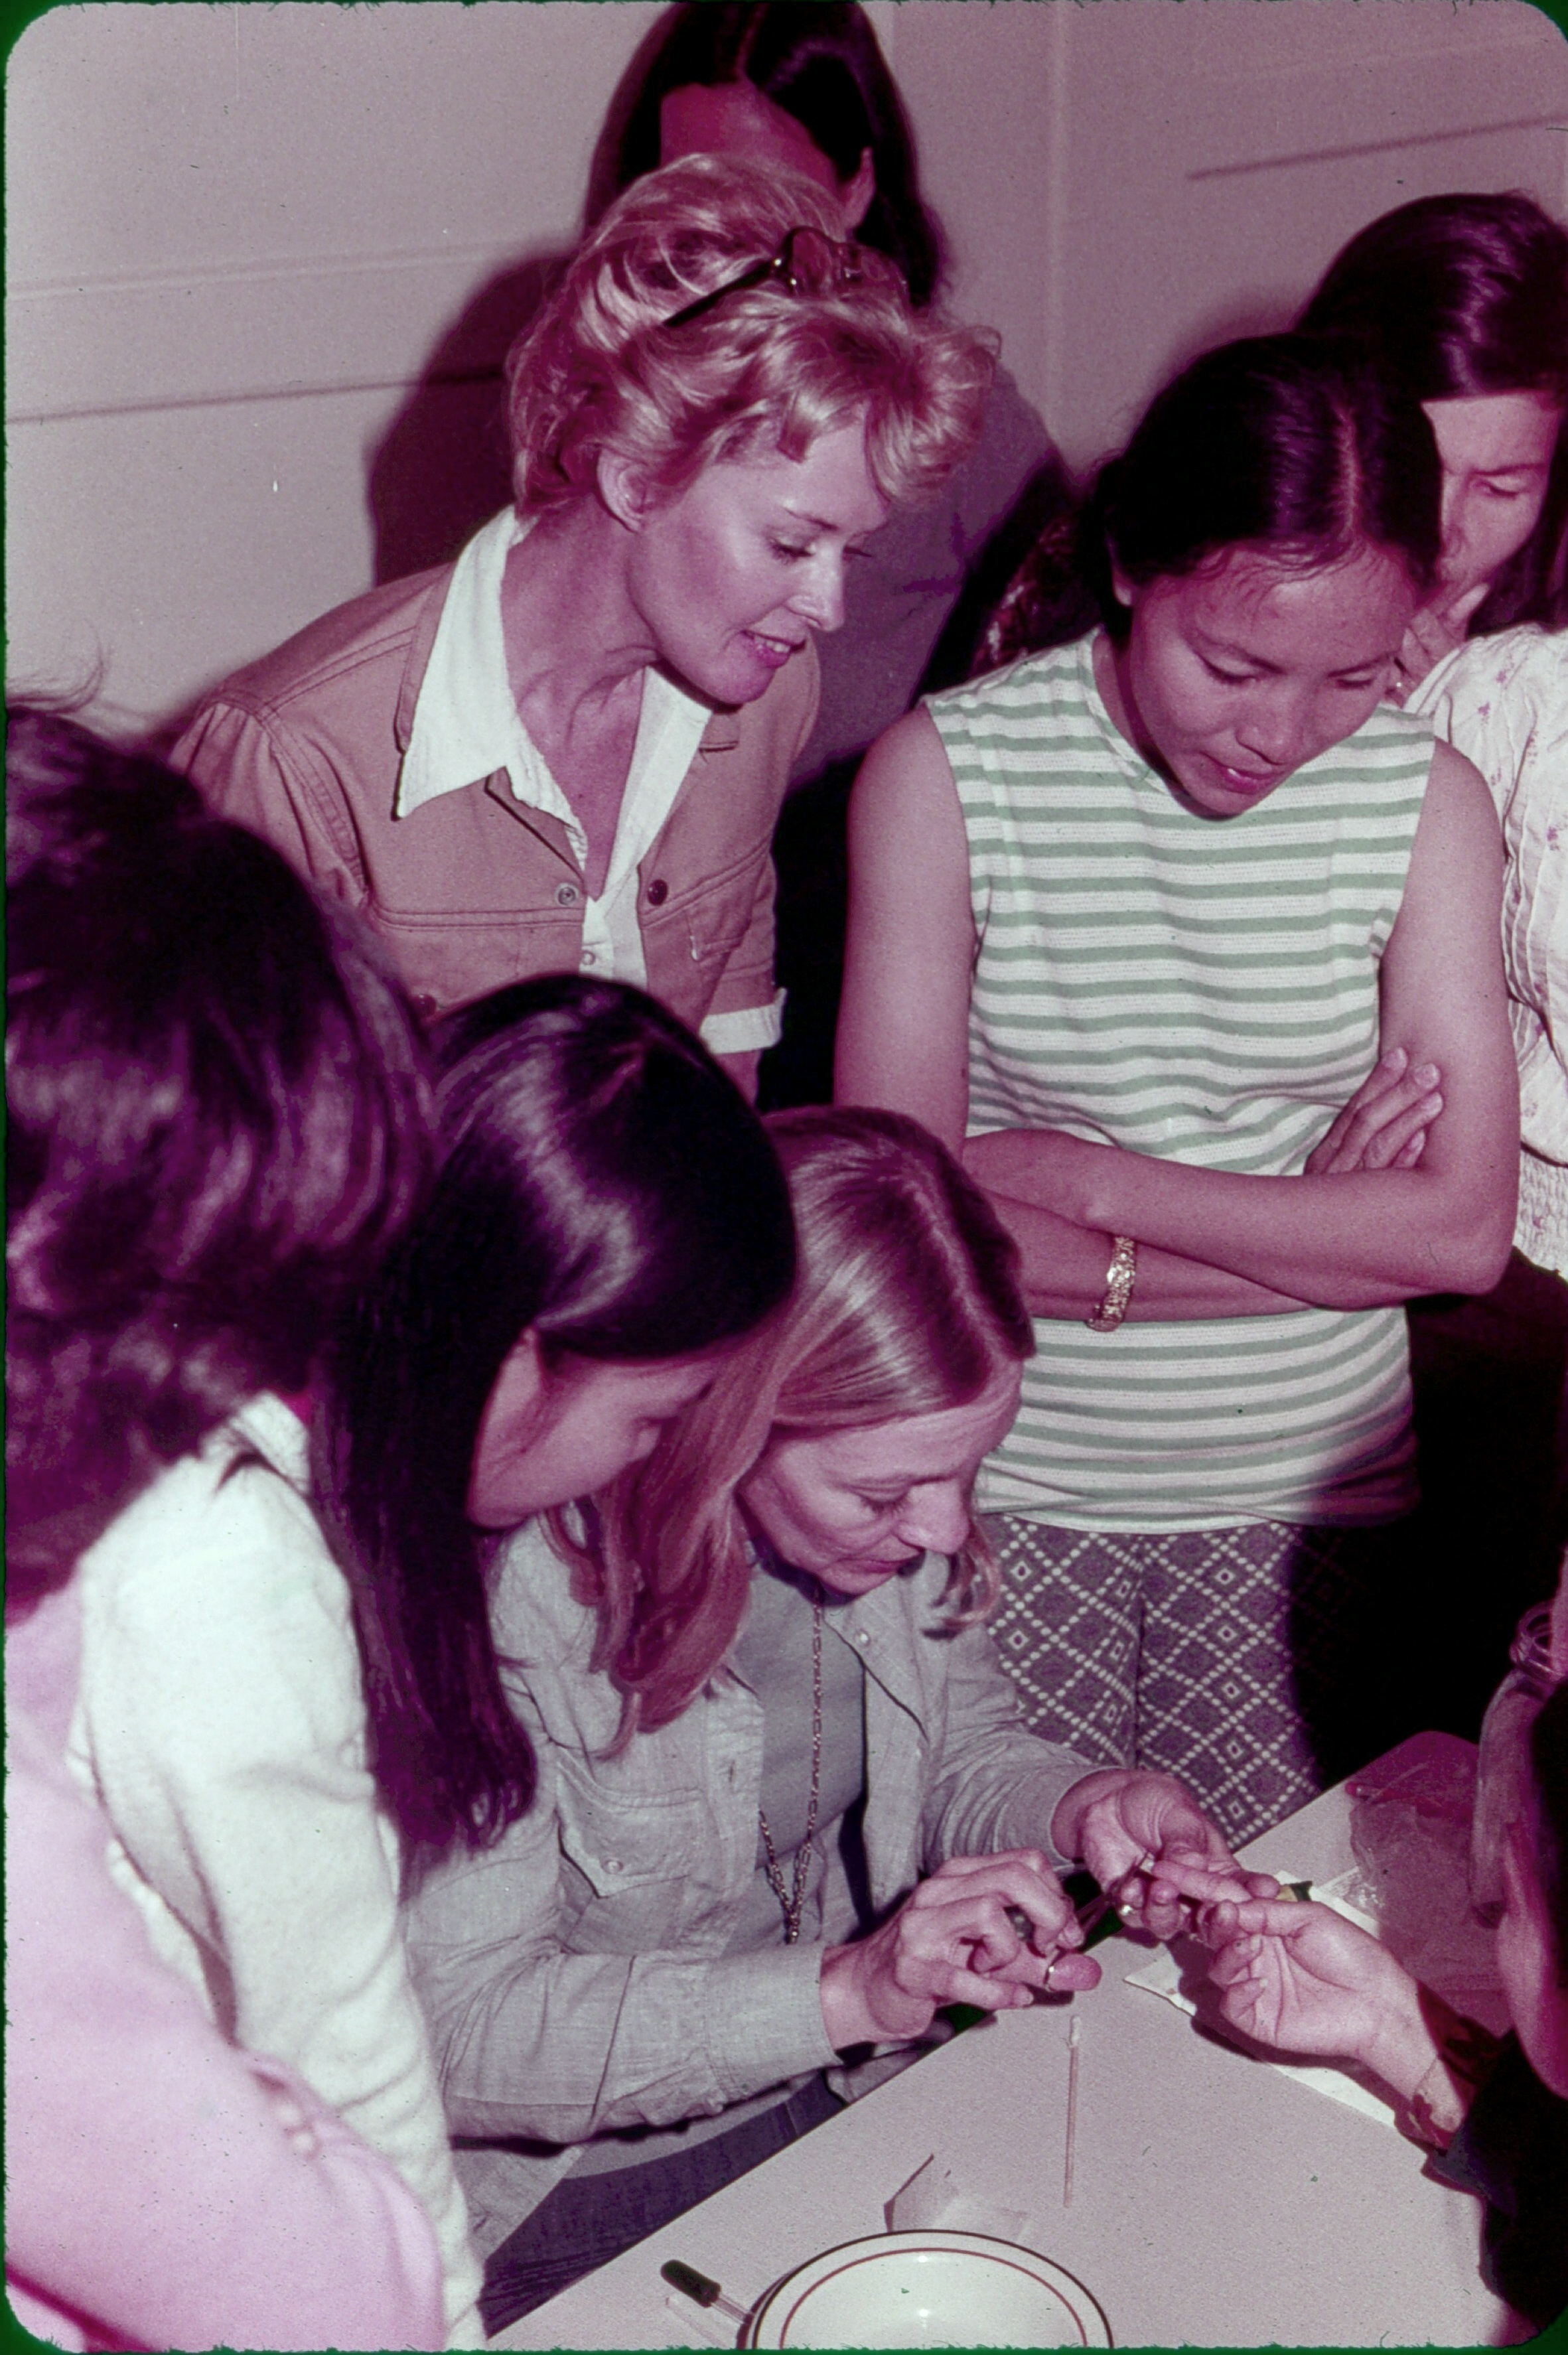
{"x": 1191, "y": 945}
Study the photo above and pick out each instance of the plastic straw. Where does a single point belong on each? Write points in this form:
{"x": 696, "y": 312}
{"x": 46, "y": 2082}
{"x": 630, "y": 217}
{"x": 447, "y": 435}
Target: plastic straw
{"x": 1074, "y": 2034}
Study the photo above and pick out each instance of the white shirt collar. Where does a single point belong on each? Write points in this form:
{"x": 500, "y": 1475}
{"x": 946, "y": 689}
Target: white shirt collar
{"x": 466, "y": 726}
{"x": 465, "y": 722}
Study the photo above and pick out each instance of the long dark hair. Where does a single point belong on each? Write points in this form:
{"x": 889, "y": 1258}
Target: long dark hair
{"x": 602, "y": 1185}
{"x": 1277, "y": 441}
{"x": 818, "y": 61}
{"x": 1289, "y": 443}
{"x": 1456, "y": 296}
{"x": 218, "y": 1117}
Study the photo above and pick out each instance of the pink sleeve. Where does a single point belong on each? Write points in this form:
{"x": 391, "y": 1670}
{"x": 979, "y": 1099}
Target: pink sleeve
{"x": 153, "y": 2198}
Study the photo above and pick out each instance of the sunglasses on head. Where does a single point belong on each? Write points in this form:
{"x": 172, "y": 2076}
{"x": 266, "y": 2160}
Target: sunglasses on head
{"x": 807, "y": 262}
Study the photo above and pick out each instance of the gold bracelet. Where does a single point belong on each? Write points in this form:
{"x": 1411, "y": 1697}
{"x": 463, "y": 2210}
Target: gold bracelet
{"x": 1119, "y": 1278}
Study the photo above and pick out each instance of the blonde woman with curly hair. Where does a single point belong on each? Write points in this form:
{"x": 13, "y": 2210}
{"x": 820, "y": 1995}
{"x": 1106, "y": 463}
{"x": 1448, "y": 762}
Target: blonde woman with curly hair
{"x": 786, "y": 1805}
{"x": 567, "y": 750}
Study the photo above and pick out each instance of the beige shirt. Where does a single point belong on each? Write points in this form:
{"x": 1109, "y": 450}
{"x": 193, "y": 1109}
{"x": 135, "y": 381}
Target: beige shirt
{"x": 459, "y": 850}
{"x": 220, "y": 1724}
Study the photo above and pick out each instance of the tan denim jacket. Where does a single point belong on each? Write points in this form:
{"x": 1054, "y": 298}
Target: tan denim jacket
{"x": 579, "y": 1976}
{"x": 475, "y": 890}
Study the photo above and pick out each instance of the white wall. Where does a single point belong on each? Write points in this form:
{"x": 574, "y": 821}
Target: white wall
{"x": 1130, "y": 180}
{"x": 236, "y": 233}
{"x": 239, "y": 236}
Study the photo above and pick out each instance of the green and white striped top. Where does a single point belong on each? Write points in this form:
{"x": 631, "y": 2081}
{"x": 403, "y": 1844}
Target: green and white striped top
{"x": 1205, "y": 989}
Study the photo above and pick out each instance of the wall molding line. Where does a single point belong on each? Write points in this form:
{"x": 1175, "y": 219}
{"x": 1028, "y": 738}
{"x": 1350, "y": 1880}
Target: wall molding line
{"x": 1375, "y": 147}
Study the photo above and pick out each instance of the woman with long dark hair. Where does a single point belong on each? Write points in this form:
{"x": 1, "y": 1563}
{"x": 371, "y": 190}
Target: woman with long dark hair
{"x": 216, "y": 1118}
{"x": 821, "y": 69}
{"x": 1462, "y": 302}
{"x": 607, "y": 1219}
{"x": 786, "y": 1801}
{"x": 1207, "y": 987}
{"x": 277, "y": 1765}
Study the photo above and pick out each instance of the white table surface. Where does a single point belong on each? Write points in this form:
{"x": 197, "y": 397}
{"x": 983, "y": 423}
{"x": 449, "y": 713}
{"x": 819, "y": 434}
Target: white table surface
{"x": 1215, "y": 2203}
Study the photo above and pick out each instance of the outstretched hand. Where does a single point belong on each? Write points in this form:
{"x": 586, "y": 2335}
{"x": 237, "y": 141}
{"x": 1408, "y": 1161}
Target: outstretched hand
{"x": 1300, "y": 1978}
{"x": 1151, "y": 1847}
{"x": 954, "y": 1941}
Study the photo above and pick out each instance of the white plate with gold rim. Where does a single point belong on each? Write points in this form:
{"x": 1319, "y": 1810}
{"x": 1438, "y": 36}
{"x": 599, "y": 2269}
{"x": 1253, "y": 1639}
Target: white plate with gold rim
{"x": 929, "y": 2289}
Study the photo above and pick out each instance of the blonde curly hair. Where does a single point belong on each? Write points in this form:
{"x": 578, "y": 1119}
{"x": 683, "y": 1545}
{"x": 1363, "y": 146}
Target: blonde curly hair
{"x": 600, "y": 368}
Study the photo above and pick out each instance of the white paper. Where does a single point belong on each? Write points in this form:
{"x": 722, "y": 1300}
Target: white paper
{"x": 933, "y": 2201}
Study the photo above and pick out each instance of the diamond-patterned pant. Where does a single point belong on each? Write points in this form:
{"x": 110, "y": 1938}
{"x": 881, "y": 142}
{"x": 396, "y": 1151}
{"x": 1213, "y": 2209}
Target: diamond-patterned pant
{"x": 1245, "y": 1660}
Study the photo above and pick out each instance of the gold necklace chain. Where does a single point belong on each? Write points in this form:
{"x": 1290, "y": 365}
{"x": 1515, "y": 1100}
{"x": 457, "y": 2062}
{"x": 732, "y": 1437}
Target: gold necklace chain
{"x": 792, "y": 1902}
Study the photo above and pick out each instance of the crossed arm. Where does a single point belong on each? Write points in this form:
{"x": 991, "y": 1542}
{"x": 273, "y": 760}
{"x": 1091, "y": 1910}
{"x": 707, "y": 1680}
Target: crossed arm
{"x": 1411, "y": 1190}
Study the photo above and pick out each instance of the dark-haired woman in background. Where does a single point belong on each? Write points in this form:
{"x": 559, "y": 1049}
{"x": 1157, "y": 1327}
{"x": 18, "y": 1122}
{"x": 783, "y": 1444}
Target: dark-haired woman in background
{"x": 216, "y": 1118}
{"x": 803, "y": 85}
{"x": 606, "y": 1215}
{"x": 1207, "y": 938}
{"x": 1462, "y": 302}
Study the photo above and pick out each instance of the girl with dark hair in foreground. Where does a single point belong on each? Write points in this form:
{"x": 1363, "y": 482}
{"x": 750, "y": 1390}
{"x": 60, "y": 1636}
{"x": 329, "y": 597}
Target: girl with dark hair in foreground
{"x": 1207, "y": 989}
{"x": 606, "y": 1215}
{"x": 608, "y": 1218}
{"x": 217, "y": 1117}
{"x": 786, "y": 1801}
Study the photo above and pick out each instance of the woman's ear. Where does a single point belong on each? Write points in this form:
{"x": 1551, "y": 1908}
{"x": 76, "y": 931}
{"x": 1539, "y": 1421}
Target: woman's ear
{"x": 523, "y": 1371}
{"x": 1121, "y": 586}
{"x": 511, "y": 1420}
{"x": 624, "y": 488}
{"x": 856, "y": 193}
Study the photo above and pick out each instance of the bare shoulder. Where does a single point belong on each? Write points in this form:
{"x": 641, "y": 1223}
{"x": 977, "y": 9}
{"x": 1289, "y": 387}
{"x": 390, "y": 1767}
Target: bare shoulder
{"x": 1448, "y": 931}
{"x": 906, "y": 787}
{"x": 1458, "y": 817}
{"x": 1454, "y": 780}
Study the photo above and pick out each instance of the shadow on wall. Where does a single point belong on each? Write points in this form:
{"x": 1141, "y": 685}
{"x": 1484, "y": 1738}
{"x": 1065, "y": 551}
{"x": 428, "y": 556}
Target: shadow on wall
{"x": 442, "y": 467}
